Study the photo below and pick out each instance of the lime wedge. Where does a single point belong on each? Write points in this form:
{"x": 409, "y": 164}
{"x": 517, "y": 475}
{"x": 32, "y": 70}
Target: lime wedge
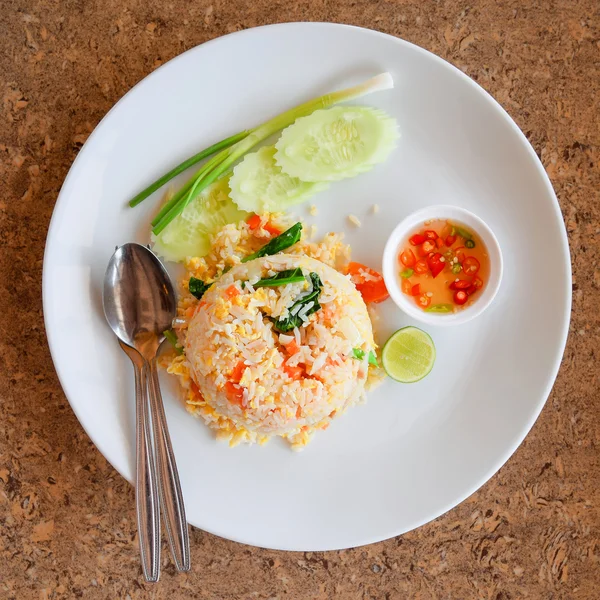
{"x": 408, "y": 355}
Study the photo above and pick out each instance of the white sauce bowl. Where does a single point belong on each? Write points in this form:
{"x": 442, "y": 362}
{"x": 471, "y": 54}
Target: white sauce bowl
{"x": 398, "y": 240}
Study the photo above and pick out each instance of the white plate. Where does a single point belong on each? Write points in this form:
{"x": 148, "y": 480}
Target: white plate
{"x": 411, "y": 452}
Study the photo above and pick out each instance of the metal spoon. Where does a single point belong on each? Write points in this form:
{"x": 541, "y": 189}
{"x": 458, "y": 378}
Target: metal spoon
{"x": 140, "y": 304}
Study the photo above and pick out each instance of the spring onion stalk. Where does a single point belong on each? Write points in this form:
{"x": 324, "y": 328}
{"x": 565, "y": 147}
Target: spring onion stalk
{"x": 188, "y": 188}
{"x": 172, "y": 338}
{"x": 227, "y": 156}
{"x": 186, "y": 164}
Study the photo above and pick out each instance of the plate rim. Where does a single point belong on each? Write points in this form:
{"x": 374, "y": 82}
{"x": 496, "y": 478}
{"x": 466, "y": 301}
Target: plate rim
{"x": 524, "y": 430}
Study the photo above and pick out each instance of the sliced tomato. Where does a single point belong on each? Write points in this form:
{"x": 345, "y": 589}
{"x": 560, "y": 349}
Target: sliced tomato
{"x": 407, "y": 258}
{"x": 415, "y": 290}
{"x": 237, "y": 372}
{"x": 253, "y": 221}
{"x": 372, "y": 290}
{"x": 430, "y": 234}
{"x": 450, "y": 240}
{"x": 439, "y": 242}
{"x": 424, "y": 300}
{"x": 421, "y": 267}
{"x": 417, "y": 239}
{"x": 274, "y": 231}
{"x": 234, "y": 393}
{"x": 470, "y": 265}
{"x": 461, "y": 284}
{"x": 436, "y": 266}
{"x": 460, "y": 297}
{"x": 407, "y": 286}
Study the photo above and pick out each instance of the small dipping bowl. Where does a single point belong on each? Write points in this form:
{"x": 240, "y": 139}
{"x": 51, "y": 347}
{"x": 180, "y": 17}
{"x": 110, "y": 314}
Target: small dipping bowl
{"x": 398, "y": 240}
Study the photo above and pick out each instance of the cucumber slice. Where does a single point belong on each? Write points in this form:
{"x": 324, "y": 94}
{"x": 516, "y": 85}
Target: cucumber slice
{"x": 258, "y": 184}
{"x": 336, "y": 143}
{"x": 190, "y": 232}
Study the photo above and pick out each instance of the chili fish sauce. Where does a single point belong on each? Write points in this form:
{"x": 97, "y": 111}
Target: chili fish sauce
{"x": 444, "y": 266}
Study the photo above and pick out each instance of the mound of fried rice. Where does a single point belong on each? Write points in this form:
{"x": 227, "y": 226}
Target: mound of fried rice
{"x": 243, "y": 377}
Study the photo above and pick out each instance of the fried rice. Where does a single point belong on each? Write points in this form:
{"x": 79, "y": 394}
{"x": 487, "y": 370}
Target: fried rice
{"x": 240, "y": 373}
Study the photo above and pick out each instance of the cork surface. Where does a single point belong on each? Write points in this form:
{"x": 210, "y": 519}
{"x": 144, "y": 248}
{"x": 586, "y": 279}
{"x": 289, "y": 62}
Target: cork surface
{"x": 67, "y": 521}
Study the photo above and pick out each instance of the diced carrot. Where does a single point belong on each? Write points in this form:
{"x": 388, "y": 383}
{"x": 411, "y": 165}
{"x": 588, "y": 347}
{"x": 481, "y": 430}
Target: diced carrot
{"x": 295, "y": 372}
{"x": 253, "y": 221}
{"x": 195, "y": 389}
{"x": 274, "y": 231}
{"x": 298, "y": 412}
{"x": 235, "y": 393}
{"x": 326, "y": 312}
{"x": 189, "y": 312}
{"x": 332, "y": 362}
{"x": 232, "y": 291}
{"x": 292, "y": 348}
{"x": 324, "y": 426}
{"x": 237, "y": 372}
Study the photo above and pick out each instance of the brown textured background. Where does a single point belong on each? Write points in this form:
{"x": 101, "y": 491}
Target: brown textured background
{"x": 67, "y": 522}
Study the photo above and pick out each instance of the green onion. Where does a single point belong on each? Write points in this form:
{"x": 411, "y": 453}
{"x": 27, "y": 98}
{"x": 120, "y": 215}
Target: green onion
{"x": 172, "y": 339}
{"x": 235, "y": 147}
{"x": 360, "y": 354}
{"x": 283, "y": 241}
{"x": 373, "y": 359}
{"x": 440, "y": 308}
{"x": 406, "y": 273}
{"x": 456, "y": 268}
{"x": 282, "y": 278}
{"x": 186, "y": 164}
{"x": 469, "y": 244}
{"x": 197, "y": 287}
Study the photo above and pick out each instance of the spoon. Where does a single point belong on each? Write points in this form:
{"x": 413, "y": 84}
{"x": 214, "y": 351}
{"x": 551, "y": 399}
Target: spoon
{"x": 140, "y": 304}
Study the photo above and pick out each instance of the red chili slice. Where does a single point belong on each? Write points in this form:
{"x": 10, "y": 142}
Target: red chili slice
{"x": 421, "y": 267}
{"x": 427, "y": 247}
{"x": 435, "y": 264}
{"x": 477, "y": 282}
{"x": 470, "y": 265}
{"x": 423, "y": 301}
{"x": 430, "y": 234}
{"x": 416, "y": 289}
{"x": 417, "y": 239}
{"x": 406, "y": 286}
{"x": 460, "y": 297}
{"x": 461, "y": 284}
{"x": 439, "y": 242}
{"x": 407, "y": 258}
{"x": 450, "y": 240}
{"x": 475, "y": 286}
